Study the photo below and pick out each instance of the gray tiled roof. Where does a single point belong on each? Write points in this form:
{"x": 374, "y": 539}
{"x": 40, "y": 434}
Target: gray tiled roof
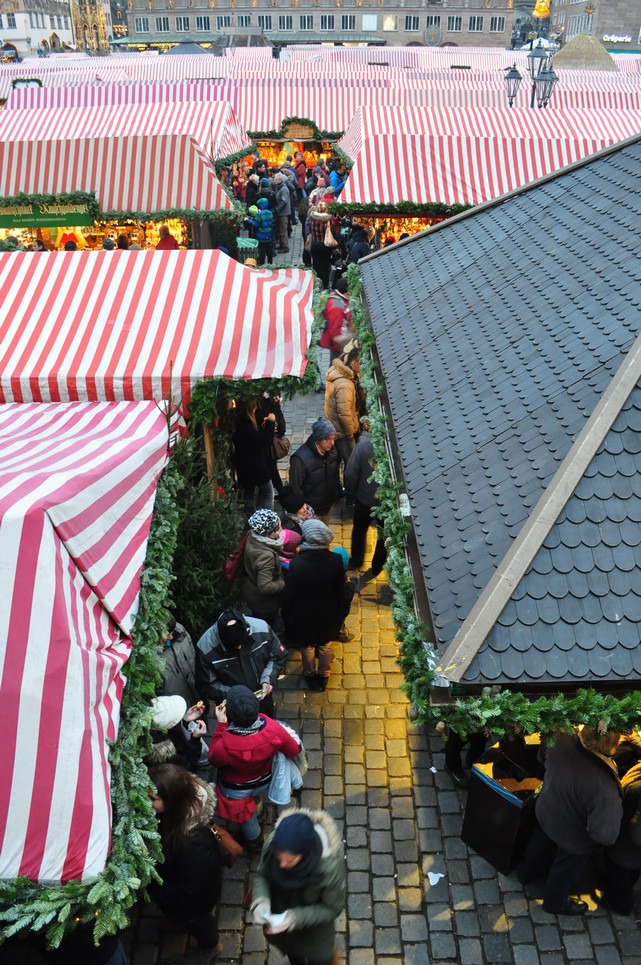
{"x": 497, "y": 335}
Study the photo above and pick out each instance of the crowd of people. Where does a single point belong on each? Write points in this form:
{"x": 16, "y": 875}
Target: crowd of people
{"x": 277, "y": 198}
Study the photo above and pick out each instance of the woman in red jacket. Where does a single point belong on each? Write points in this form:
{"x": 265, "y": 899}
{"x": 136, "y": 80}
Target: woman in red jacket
{"x": 243, "y": 747}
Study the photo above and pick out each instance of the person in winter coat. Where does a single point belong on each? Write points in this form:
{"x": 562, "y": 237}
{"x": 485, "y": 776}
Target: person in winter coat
{"x": 263, "y": 225}
{"x": 337, "y": 177}
{"x": 179, "y": 664}
{"x": 300, "y": 170}
{"x": 267, "y": 405}
{"x": 191, "y": 871}
{"x": 239, "y": 650}
{"x": 338, "y": 330}
{"x": 319, "y": 221}
{"x": 340, "y": 403}
{"x": 296, "y": 510}
{"x": 358, "y": 245}
{"x": 358, "y": 480}
{"x": 620, "y": 866}
{"x": 313, "y": 468}
{"x": 264, "y": 580}
{"x": 283, "y": 208}
{"x": 578, "y": 809}
{"x": 299, "y": 888}
{"x": 251, "y": 190}
{"x": 177, "y": 733}
{"x": 315, "y": 602}
{"x": 252, "y": 457}
{"x": 243, "y": 748}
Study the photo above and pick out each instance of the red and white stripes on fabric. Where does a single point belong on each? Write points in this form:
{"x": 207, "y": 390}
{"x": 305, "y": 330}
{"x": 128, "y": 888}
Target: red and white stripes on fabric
{"x": 212, "y": 124}
{"x": 597, "y": 126}
{"x": 101, "y": 325}
{"x": 107, "y": 95}
{"x": 455, "y": 169}
{"x": 77, "y": 486}
{"x": 118, "y": 170}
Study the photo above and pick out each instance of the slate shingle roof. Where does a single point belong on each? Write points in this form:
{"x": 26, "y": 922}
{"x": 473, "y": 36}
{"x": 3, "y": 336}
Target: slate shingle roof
{"x": 497, "y": 335}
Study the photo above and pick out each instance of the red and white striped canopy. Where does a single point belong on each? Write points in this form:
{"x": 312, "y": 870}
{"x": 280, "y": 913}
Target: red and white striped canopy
{"x": 212, "y": 124}
{"x": 601, "y": 127}
{"x": 455, "y": 170}
{"x": 108, "y": 95}
{"x": 77, "y": 487}
{"x": 101, "y": 325}
{"x": 141, "y": 173}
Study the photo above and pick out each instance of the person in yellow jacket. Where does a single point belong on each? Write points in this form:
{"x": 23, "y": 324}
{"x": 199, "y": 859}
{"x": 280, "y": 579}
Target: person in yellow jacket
{"x": 341, "y": 381}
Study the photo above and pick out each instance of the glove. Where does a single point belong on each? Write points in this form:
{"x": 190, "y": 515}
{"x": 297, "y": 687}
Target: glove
{"x": 259, "y": 909}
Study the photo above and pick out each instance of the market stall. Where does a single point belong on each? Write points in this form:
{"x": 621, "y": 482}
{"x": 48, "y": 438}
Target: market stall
{"x": 77, "y": 488}
{"x": 415, "y": 166}
{"x": 130, "y": 325}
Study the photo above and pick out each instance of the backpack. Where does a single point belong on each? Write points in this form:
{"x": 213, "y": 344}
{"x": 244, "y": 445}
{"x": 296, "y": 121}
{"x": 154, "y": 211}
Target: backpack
{"x": 234, "y": 565}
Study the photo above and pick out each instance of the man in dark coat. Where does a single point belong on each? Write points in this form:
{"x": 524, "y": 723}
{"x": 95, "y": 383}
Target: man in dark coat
{"x": 313, "y": 468}
{"x": 239, "y": 650}
{"x": 358, "y": 480}
{"x": 315, "y": 601}
{"x": 578, "y": 809}
{"x": 179, "y": 658}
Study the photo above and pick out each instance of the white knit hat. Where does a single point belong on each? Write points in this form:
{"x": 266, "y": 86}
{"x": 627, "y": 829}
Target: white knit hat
{"x": 168, "y": 711}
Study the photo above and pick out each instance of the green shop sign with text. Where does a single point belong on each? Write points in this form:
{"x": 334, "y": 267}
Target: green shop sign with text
{"x": 45, "y": 215}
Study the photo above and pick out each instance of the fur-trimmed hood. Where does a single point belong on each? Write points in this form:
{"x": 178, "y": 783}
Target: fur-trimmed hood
{"x": 325, "y": 827}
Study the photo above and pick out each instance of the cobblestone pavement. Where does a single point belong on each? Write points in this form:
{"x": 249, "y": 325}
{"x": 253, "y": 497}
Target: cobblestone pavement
{"x": 382, "y": 779}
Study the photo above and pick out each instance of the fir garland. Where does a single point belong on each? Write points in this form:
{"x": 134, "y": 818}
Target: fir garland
{"x": 104, "y": 900}
{"x": 504, "y": 713}
{"x": 318, "y": 135}
{"x": 226, "y": 162}
{"x": 26, "y": 80}
{"x": 431, "y": 209}
{"x": 229, "y": 218}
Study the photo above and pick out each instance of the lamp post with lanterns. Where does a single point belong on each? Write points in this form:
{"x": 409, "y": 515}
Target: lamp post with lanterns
{"x": 539, "y": 62}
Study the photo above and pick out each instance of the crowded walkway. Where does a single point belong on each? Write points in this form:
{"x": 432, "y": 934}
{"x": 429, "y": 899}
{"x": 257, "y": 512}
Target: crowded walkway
{"x": 416, "y": 893}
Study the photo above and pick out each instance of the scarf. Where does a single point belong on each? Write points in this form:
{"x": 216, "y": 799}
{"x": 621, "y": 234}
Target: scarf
{"x": 286, "y": 885}
{"x": 258, "y": 725}
{"x": 274, "y": 543}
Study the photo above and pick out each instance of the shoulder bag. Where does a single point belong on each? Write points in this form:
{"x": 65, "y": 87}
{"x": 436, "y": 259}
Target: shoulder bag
{"x": 229, "y": 848}
{"x": 329, "y": 240}
{"x": 281, "y": 446}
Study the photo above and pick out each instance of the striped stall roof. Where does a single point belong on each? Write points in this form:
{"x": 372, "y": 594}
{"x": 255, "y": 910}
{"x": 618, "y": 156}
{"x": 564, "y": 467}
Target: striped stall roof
{"x": 101, "y": 325}
{"x": 600, "y": 127}
{"x": 77, "y": 488}
{"x": 212, "y": 124}
{"x": 455, "y": 169}
{"x": 107, "y": 95}
{"x": 118, "y": 170}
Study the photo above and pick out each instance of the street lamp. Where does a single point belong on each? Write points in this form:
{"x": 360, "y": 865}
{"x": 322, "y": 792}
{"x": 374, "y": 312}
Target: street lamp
{"x": 512, "y": 83}
{"x": 544, "y": 85}
{"x": 537, "y": 61}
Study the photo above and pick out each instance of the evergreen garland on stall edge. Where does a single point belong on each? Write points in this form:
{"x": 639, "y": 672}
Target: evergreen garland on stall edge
{"x": 503, "y": 713}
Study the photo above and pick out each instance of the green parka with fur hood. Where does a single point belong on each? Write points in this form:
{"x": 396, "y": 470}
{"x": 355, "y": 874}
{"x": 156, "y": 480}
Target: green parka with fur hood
{"x": 318, "y": 905}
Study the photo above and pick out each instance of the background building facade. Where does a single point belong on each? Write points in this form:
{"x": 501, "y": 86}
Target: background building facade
{"x": 615, "y": 23}
{"x": 32, "y": 25}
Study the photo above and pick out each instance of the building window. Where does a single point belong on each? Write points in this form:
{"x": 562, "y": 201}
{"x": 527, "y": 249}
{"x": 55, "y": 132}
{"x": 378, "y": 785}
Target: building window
{"x": 265, "y": 21}
{"x": 59, "y": 22}
{"x": 245, "y": 20}
{"x": 306, "y": 21}
{"x": 182, "y": 25}
{"x": 454, "y": 24}
{"x": 390, "y": 22}
{"x": 141, "y": 25}
{"x": 369, "y": 21}
{"x": 162, "y": 25}
{"x": 30, "y": 15}
{"x": 11, "y": 21}
{"x": 497, "y": 25}
{"x": 286, "y": 22}
{"x": 52, "y": 21}
{"x": 475, "y": 25}
{"x": 579, "y": 25}
{"x": 203, "y": 24}
{"x": 348, "y": 22}
{"x": 411, "y": 24}
{"x": 433, "y": 21}
{"x": 223, "y": 21}
{"x": 327, "y": 21}
{"x": 66, "y": 23}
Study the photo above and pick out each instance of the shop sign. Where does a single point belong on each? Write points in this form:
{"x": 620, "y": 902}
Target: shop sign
{"x": 615, "y": 39}
{"x": 298, "y": 132}
{"x": 46, "y": 215}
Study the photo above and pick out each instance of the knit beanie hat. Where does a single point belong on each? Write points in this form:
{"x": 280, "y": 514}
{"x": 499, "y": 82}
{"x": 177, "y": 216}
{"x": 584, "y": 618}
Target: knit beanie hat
{"x": 263, "y": 522}
{"x": 316, "y": 535}
{"x": 322, "y": 429}
{"x": 290, "y": 502}
{"x": 168, "y": 711}
{"x": 262, "y": 202}
{"x": 233, "y": 629}
{"x": 264, "y": 182}
{"x": 295, "y": 834}
{"x": 242, "y": 706}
